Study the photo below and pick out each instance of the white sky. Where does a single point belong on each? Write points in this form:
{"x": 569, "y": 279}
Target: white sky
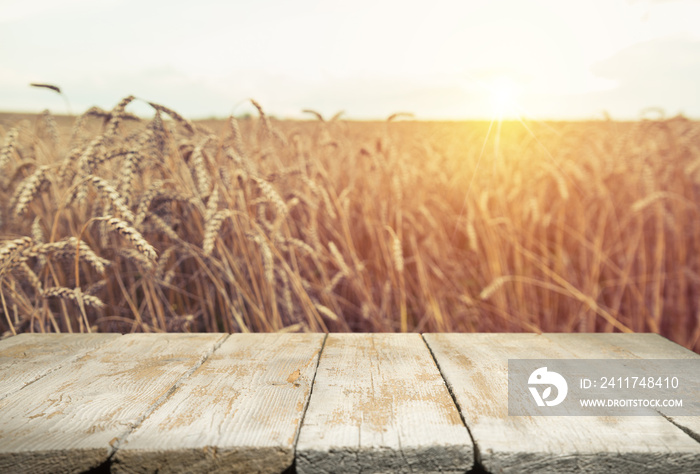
{"x": 438, "y": 59}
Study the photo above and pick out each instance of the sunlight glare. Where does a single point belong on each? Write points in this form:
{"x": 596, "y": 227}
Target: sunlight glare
{"x": 503, "y": 96}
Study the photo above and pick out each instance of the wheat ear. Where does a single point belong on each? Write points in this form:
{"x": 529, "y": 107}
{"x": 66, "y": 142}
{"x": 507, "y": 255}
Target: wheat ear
{"x": 318, "y": 116}
{"x": 8, "y": 147}
{"x": 117, "y": 114}
{"x": 108, "y": 192}
{"x": 73, "y": 295}
{"x": 28, "y": 189}
{"x": 50, "y": 126}
{"x": 12, "y": 247}
{"x": 134, "y": 237}
{"x": 211, "y": 230}
{"x": 189, "y": 126}
{"x": 200, "y": 169}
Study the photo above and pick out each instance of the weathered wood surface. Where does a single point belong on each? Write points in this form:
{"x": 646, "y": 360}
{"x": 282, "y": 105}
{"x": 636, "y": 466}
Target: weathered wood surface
{"x": 379, "y": 404}
{"x": 72, "y": 419}
{"x": 639, "y": 346}
{"x": 28, "y": 357}
{"x": 239, "y": 412}
{"x": 361, "y": 402}
{"x": 475, "y": 367}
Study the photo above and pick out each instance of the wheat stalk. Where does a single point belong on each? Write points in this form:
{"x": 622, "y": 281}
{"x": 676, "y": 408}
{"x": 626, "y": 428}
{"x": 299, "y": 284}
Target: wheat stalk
{"x": 200, "y": 168}
{"x": 189, "y": 126}
{"x": 301, "y": 245}
{"x": 236, "y": 137}
{"x": 212, "y": 205}
{"x": 157, "y": 137}
{"x": 494, "y": 286}
{"x": 472, "y": 236}
{"x": 116, "y": 116}
{"x": 12, "y": 248}
{"x": 337, "y": 278}
{"x": 91, "y": 156}
{"x": 645, "y": 202}
{"x": 287, "y": 293}
{"x": 108, "y": 192}
{"x": 318, "y": 116}
{"x": 267, "y": 257}
{"x": 146, "y": 200}
{"x": 134, "y": 237}
{"x": 74, "y": 295}
{"x": 211, "y": 230}
{"x": 68, "y": 248}
{"x": 272, "y": 196}
{"x": 28, "y": 189}
{"x": 126, "y": 176}
{"x": 137, "y": 257}
{"x": 8, "y": 147}
{"x": 338, "y": 258}
{"x": 47, "y": 86}
{"x": 164, "y": 227}
{"x": 398, "y": 115}
{"x": 397, "y": 252}
{"x": 51, "y": 127}
{"x": 38, "y": 237}
{"x": 32, "y": 277}
{"x": 327, "y": 312}
{"x": 267, "y": 127}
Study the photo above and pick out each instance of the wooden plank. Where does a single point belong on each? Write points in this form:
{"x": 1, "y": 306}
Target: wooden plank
{"x": 632, "y": 346}
{"x": 72, "y": 419}
{"x": 379, "y": 404}
{"x": 475, "y": 366}
{"x": 239, "y": 412}
{"x": 26, "y": 358}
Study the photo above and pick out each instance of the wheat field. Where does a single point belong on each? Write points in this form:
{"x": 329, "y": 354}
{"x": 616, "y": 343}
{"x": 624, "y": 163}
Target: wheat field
{"x": 115, "y": 223}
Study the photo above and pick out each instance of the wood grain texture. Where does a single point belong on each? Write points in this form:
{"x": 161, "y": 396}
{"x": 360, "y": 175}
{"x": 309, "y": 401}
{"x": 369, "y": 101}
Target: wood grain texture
{"x": 475, "y": 366}
{"x": 632, "y": 346}
{"x": 379, "y": 404}
{"x": 26, "y": 358}
{"x": 71, "y": 419}
{"x": 239, "y": 412}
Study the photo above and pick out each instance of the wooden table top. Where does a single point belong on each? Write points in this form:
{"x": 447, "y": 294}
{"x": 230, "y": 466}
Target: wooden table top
{"x": 315, "y": 403}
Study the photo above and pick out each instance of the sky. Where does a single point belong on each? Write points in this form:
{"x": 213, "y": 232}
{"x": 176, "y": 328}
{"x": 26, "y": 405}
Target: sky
{"x": 437, "y": 59}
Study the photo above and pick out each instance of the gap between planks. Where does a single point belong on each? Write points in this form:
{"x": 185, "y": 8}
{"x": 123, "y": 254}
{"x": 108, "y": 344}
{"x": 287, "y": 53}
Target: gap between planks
{"x": 477, "y": 467}
{"x": 54, "y": 355}
{"x": 475, "y": 366}
{"x": 76, "y": 412}
{"x": 154, "y": 406}
{"x": 118, "y": 441}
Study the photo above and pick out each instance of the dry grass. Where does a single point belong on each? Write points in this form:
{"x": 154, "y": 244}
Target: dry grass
{"x": 110, "y": 223}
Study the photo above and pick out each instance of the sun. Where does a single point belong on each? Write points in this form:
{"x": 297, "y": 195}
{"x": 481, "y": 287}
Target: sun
{"x": 503, "y": 91}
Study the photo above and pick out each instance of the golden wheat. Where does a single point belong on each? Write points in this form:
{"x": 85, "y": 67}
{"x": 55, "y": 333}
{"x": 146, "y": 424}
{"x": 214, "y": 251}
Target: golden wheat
{"x": 51, "y": 128}
{"x": 211, "y": 230}
{"x": 73, "y": 295}
{"x": 134, "y": 237}
{"x": 8, "y": 148}
{"x": 240, "y": 225}
{"x": 109, "y": 193}
{"x": 27, "y": 190}
{"x": 187, "y": 124}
